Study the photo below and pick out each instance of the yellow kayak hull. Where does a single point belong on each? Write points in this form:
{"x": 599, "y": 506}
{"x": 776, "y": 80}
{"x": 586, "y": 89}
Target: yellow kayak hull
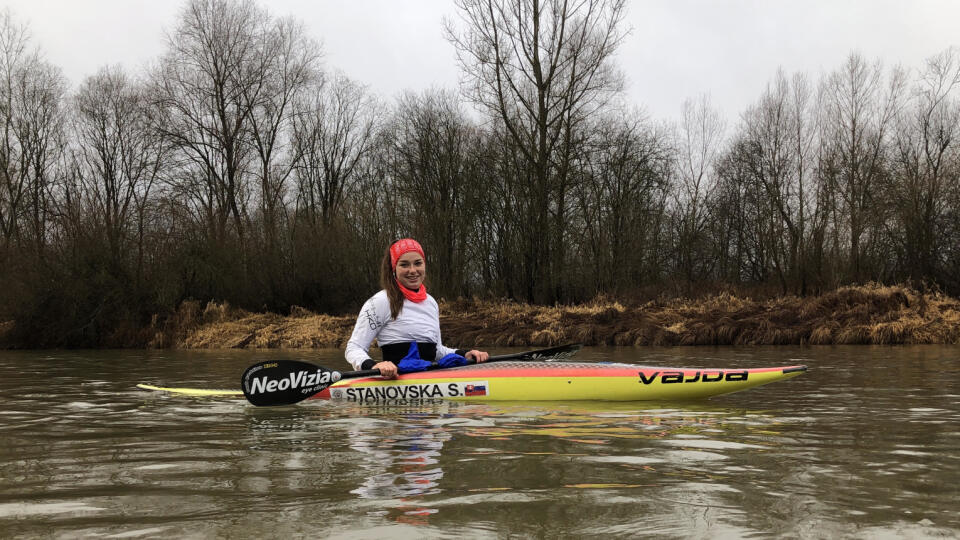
{"x": 558, "y": 381}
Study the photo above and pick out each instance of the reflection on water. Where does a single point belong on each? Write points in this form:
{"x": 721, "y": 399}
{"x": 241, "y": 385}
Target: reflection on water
{"x": 864, "y": 445}
{"x": 400, "y": 459}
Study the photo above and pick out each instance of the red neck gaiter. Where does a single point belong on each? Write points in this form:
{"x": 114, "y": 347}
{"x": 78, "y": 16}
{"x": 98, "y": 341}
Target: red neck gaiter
{"x": 413, "y": 296}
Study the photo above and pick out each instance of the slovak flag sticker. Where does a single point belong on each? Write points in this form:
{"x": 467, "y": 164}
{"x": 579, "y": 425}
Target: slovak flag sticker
{"x": 475, "y": 390}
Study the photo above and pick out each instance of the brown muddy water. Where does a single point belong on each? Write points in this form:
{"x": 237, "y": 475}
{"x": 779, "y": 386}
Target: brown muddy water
{"x": 865, "y": 445}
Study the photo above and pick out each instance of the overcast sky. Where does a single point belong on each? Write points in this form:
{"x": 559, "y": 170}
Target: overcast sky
{"x": 677, "y": 49}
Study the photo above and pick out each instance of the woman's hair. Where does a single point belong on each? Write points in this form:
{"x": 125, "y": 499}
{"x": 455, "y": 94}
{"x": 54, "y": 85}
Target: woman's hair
{"x": 389, "y": 283}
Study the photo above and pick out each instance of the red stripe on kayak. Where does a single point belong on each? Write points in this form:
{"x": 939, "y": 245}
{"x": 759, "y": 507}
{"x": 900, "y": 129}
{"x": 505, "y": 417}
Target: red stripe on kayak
{"x": 554, "y": 370}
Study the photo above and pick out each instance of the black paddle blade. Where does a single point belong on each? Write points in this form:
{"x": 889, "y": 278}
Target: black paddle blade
{"x": 284, "y": 382}
{"x": 561, "y": 352}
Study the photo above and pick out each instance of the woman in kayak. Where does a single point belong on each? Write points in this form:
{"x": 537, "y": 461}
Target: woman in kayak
{"x": 403, "y": 318}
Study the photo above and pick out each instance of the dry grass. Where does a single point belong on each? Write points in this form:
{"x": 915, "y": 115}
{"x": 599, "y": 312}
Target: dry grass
{"x": 871, "y": 314}
{"x": 223, "y": 327}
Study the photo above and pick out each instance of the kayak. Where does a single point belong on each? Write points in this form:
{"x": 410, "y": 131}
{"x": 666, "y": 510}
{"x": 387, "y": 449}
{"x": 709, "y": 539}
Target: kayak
{"x": 541, "y": 381}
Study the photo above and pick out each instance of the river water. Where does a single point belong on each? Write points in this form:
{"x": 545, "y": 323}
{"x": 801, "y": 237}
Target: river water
{"x": 864, "y": 445}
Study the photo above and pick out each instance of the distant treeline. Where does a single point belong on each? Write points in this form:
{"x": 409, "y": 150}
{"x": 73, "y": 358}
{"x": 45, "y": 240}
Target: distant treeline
{"x": 237, "y": 168}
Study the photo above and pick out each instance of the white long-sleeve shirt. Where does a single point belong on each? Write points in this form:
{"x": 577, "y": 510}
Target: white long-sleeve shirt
{"x": 416, "y": 322}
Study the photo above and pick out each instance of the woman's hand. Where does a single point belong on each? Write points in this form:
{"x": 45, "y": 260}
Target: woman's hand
{"x": 387, "y": 369}
{"x": 478, "y": 356}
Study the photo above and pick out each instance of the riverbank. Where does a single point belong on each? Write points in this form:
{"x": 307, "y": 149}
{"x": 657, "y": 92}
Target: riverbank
{"x": 870, "y": 314}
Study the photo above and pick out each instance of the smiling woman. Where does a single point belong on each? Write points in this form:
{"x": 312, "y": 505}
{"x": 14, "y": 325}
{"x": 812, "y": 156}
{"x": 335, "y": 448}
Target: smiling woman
{"x": 407, "y": 269}
{"x": 403, "y": 318}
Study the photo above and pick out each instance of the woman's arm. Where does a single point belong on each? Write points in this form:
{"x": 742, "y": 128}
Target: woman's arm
{"x": 367, "y": 328}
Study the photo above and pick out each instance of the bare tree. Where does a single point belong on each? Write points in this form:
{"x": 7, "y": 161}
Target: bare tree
{"x": 438, "y": 173}
{"x": 698, "y": 143}
{"x": 15, "y": 57}
{"x": 291, "y": 67}
{"x": 621, "y": 201}
{"x": 927, "y": 167}
{"x": 31, "y": 135}
{"x": 540, "y": 68}
{"x": 119, "y": 158}
{"x": 208, "y": 84}
{"x": 333, "y": 129}
{"x": 859, "y": 112}
{"x": 780, "y": 132}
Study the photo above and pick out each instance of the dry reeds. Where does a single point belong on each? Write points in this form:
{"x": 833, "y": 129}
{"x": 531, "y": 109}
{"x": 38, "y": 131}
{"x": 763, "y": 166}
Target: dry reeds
{"x": 301, "y": 330}
{"x": 869, "y": 314}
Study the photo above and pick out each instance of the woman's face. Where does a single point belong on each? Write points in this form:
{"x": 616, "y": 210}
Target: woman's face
{"x": 411, "y": 270}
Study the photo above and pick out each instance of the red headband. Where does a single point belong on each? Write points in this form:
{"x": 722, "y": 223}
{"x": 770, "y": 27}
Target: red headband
{"x": 404, "y": 246}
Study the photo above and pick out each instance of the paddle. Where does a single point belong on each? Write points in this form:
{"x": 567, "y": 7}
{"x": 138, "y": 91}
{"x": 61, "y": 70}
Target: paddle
{"x": 285, "y": 382}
